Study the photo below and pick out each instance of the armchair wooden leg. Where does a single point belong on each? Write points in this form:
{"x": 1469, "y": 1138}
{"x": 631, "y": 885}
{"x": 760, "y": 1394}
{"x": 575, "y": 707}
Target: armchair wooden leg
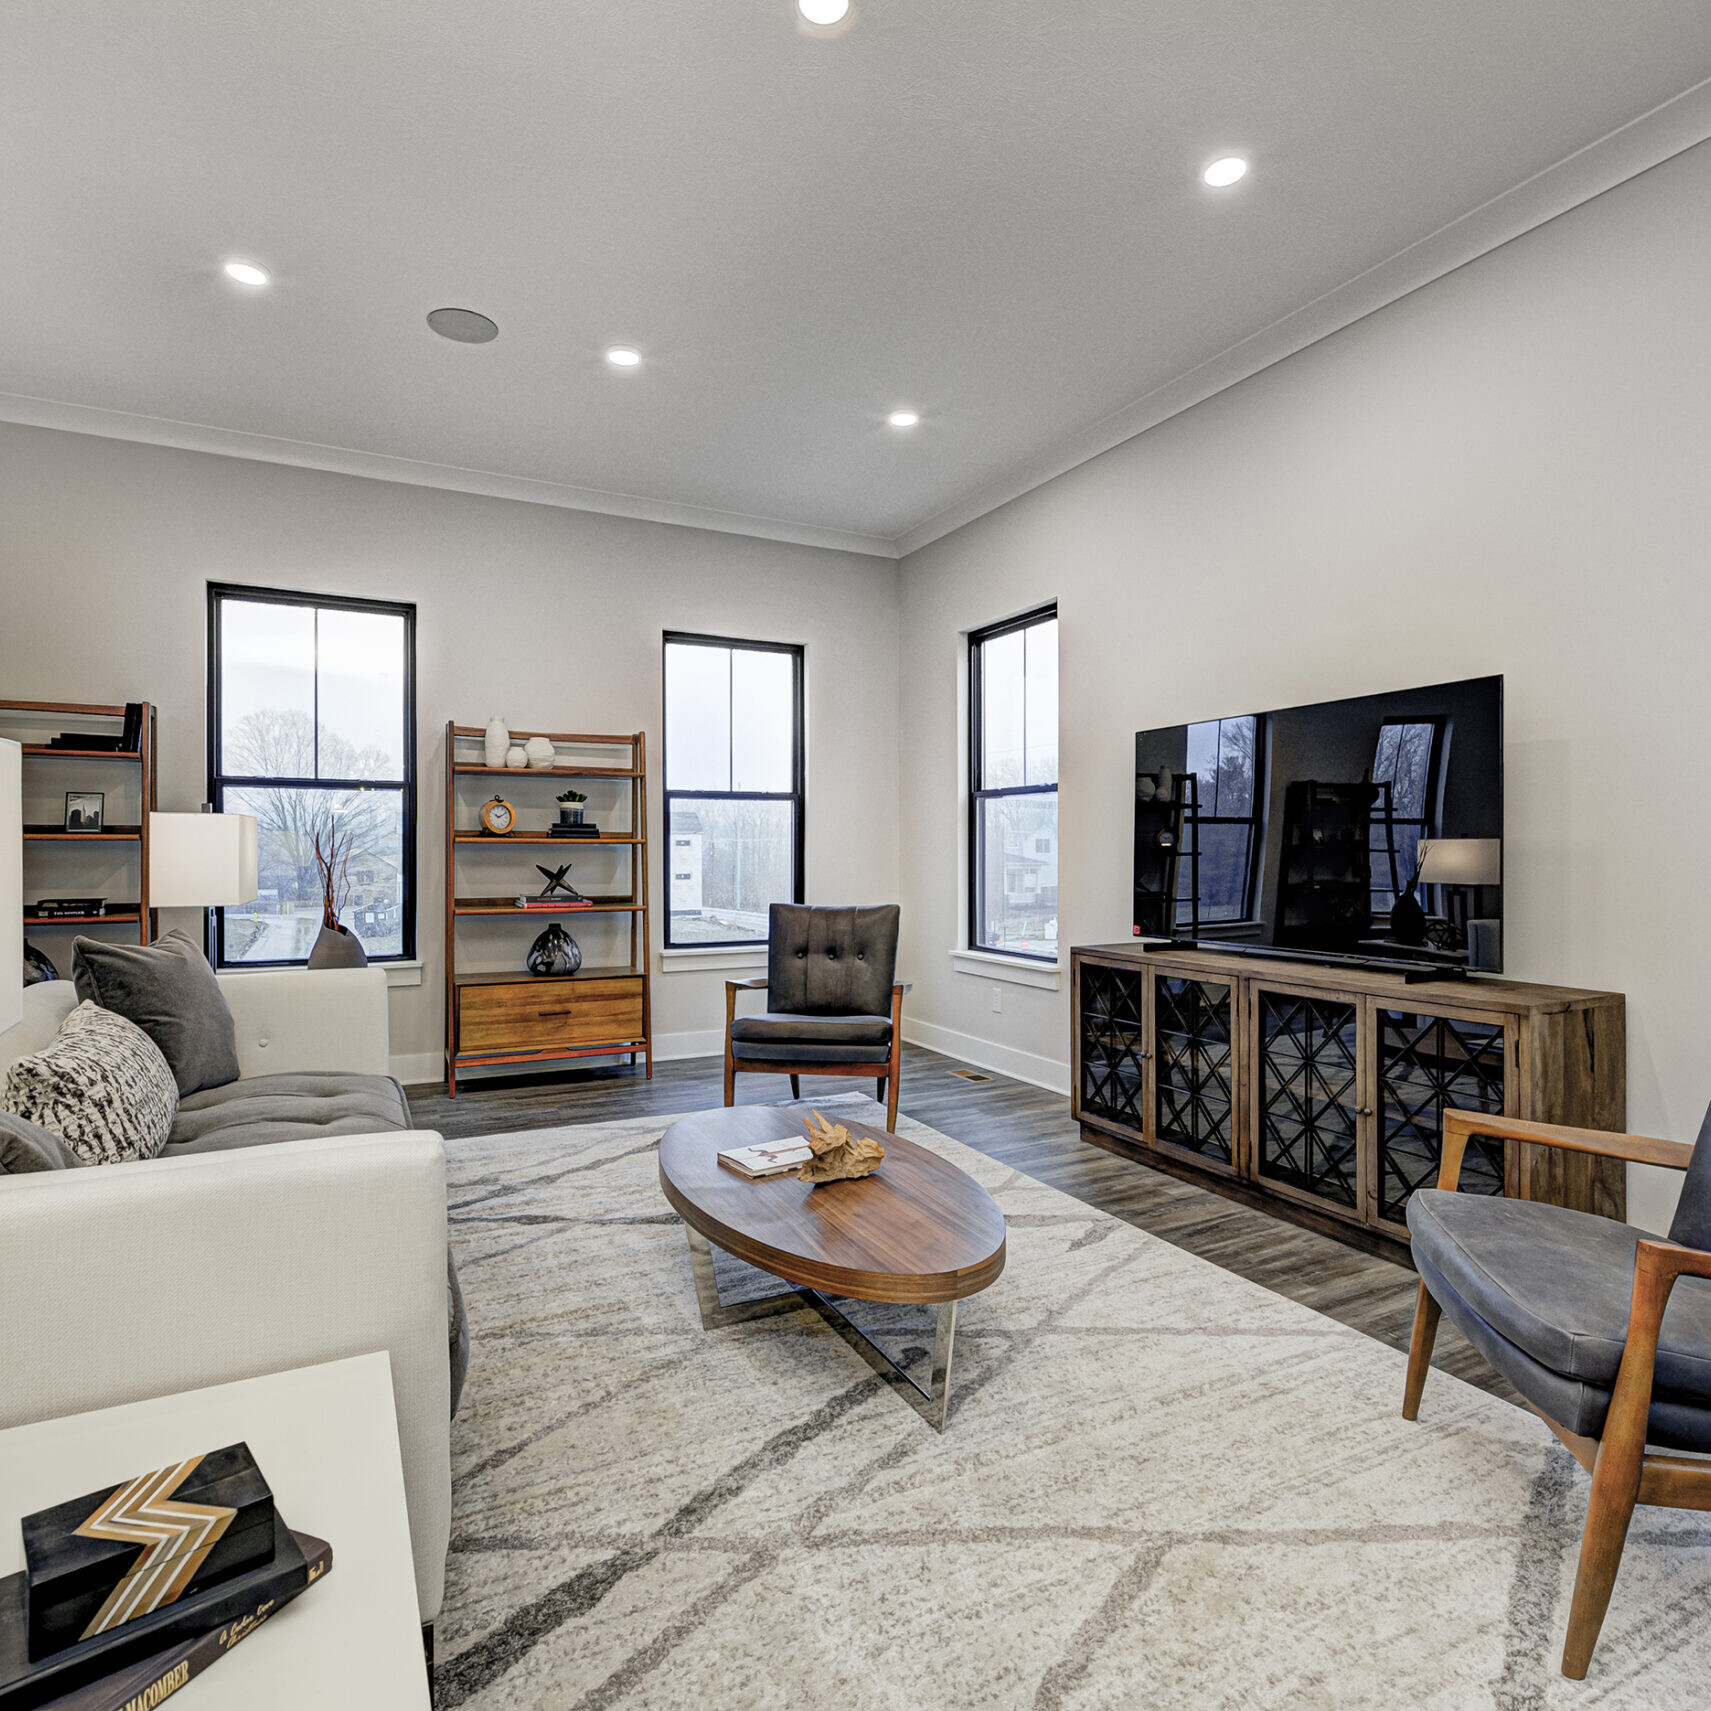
{"x": 730, "y": 1077}
{"x": 796, "y": 1087}
{"x": 892, "y": 1083}
{"x": 1426, "y": 1314}
{"x": 1615, "y": 1486}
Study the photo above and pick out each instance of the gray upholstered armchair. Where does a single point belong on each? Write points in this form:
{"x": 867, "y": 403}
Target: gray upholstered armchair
{"x": 833, "y": 1005}
{"x": 1585, "y": 1317}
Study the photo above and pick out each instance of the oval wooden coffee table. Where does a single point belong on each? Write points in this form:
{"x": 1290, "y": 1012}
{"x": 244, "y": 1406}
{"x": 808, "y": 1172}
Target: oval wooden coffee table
{"x": 918, "y": 1230}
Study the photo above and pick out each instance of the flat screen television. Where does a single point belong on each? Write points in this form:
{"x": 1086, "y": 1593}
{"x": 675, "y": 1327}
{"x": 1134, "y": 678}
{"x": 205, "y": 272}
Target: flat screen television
{"x": 1369, "y": 829}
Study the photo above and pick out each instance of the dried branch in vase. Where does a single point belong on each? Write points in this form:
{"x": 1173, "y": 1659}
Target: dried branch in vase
{"x": 839, "y": 1156}
{"x": 333, "y": 861}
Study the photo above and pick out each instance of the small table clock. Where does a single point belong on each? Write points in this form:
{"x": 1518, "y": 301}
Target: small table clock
{"x": 498, "y": 817}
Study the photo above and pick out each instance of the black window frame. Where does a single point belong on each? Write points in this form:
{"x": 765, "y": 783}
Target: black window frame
{"x": 1187, "y": 914}
{"x": 979, "y": 794}
{"x": 796, "y": 795}
{"x": 219, "y": 783}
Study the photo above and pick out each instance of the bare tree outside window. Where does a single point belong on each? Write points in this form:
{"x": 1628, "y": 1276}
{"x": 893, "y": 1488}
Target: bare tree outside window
{"x": 312, "y": 722}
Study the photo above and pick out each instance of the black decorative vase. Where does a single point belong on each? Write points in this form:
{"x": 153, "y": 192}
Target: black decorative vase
{"x": 555, "y": 952}
{"x": 1408, "y": 919}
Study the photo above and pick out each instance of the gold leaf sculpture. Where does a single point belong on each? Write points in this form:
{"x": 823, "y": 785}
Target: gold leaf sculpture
{"x": 839, "y": 1156}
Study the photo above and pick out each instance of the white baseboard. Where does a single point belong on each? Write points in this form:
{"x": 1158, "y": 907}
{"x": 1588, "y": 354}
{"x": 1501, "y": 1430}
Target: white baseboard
{"x": 1019, "y": 1065}
{"x": 698, "y": 1042}
{"x": 415, "y": 1068}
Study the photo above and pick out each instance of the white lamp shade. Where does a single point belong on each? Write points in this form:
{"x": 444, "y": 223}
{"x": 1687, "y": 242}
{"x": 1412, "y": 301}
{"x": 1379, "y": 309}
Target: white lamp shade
{"x": 1461, "y": 861}
{"x": 11, "y": 885}
{"x": 198, "y": 861}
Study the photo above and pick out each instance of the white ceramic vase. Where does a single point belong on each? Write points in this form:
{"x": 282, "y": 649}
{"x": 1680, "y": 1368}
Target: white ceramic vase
{"x": 541, "y": 753}
{"x": 516, "y": 755}
{"x": 497, "y": 741}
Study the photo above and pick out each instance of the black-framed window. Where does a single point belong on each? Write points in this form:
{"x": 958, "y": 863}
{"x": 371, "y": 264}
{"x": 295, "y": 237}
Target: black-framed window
{"x": 312, "y": 729}
{"x": 1223, "y": 831}
{"x": 1409, "y": 757}
{"x": 1013, "y": 845}
{"x": 733, "y": 787}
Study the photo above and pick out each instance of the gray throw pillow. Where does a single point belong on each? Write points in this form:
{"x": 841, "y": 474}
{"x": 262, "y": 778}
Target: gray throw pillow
{"x": 26, "y": 1148}
{"x": 170, "y": 992}
{"x": 102, "y": 1087}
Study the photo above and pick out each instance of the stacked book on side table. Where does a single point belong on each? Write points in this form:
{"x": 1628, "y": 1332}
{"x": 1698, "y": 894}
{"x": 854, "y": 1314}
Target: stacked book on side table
{"x": 132, "y": 1591}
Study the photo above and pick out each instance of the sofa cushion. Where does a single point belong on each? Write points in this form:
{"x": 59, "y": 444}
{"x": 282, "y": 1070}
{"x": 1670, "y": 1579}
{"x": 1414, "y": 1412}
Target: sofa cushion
{"x": 831, "y": 962}
{"x": 265, "y": 1108}
{"x": 26, "y": 1147}
{"x": 170, "y": 992}
{"x": 102, "y": 1086}
{"x": 1557, "y": 1284}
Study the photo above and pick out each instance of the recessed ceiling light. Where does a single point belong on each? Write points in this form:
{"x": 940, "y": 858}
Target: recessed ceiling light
{"x": 1226, "y": 170}
{"x": 247, "y": 273}
{"x": 903, "y": 418}
{"x": 823, "y": 11}
{"x": 463, "y": 325}
{"x": 623, "y": 356}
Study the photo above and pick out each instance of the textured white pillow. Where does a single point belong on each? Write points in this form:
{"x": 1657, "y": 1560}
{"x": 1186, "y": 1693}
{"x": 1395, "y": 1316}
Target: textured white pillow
{"x": 103, "y": 1087}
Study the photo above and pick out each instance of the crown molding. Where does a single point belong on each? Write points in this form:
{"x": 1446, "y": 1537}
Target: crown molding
{"x": 377, "y": 466}
{"x": 1669, "y": 129}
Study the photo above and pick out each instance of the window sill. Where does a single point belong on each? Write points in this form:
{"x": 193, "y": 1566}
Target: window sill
{"x": 989, "y": 966}
{"x": 693, "y": 959}
{"x": 401, "y": 973}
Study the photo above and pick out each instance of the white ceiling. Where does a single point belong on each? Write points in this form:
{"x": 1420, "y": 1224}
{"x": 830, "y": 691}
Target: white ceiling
{"x": 990, "y": 213}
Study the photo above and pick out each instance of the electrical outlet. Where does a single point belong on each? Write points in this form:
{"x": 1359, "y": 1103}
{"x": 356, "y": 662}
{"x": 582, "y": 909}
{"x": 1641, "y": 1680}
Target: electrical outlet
{"x": 998, "y": 998}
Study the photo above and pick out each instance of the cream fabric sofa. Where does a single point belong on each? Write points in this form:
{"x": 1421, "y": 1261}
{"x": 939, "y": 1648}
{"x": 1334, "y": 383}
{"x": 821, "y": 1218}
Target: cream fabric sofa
{"x": 139, "y": 1280}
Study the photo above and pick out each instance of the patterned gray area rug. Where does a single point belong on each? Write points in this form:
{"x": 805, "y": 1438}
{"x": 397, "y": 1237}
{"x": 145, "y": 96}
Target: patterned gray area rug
{"x": 1161, "y": 1486}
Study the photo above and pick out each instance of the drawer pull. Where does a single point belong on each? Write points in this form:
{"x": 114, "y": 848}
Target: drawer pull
{"x": 552, "y": 1012}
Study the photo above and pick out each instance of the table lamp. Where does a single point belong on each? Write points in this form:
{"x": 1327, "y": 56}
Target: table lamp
{"x": 11, "y": 885}
{"x": 201, "y": 861}
{"x": 1460, "y": 864}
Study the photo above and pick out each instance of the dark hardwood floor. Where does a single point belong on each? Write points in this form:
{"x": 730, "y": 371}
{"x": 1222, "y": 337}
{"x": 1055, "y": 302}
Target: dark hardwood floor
{"x": 1023, "y": 1126}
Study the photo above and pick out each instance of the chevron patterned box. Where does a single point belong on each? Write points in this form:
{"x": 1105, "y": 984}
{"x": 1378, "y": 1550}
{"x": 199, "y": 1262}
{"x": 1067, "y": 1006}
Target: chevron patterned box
{"x": 95, "y": 1563}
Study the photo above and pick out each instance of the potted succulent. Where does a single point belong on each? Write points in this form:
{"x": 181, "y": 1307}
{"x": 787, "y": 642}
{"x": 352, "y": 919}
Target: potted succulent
{"x": 335, "y": 946}
{"x": 570, "y": 807}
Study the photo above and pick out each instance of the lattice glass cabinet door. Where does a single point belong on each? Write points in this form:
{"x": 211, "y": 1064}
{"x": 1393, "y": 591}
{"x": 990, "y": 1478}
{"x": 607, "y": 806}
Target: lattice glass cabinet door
{"x": 1113, "y": 1043}
{"x": 1426, "y": 1064}
{"x": 1193, "y": 1105}
{"x": 1307, "y": 1094}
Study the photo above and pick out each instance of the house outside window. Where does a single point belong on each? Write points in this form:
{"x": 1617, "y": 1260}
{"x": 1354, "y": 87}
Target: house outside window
{"x": 734, "y": 821}
{"x": 1013, "y": 808}
{"x": 312, "y": 729}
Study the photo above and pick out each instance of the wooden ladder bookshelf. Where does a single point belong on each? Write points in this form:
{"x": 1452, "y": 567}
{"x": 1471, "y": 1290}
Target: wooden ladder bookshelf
{"x": 510, "y": 1016}
{"x": 30, "y": 724}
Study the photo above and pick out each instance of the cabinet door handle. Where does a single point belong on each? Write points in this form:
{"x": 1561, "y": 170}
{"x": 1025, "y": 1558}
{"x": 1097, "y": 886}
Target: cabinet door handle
{"x": 1363, "y": 1110}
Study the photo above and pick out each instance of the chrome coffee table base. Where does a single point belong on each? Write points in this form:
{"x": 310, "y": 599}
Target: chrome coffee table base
{"x": 932, "y": 1404}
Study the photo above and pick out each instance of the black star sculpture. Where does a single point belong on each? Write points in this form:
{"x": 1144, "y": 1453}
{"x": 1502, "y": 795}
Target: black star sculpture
{"x": 557, "y": 885}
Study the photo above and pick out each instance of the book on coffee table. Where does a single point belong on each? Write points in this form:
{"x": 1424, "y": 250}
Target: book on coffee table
{"x": 770, "y": 1158}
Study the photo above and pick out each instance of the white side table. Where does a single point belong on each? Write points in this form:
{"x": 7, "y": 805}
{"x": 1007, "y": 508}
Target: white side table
{"x": 326, "y": 1440}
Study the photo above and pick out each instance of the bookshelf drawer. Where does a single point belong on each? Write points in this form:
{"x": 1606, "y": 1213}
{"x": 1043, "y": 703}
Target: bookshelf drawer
{"x": 535, "y": 1015}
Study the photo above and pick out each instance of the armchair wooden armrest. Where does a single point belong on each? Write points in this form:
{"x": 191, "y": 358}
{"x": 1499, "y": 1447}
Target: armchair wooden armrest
{"x": 1461, "y": 1126}
{"x": 755, "y": 983}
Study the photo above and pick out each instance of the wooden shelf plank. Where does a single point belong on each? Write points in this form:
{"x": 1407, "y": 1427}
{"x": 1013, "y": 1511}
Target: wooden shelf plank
{"x": 470, "y": 768}
{"x": 45, "y": 751}
{"x": 537, "y": 838}
{"x": 505, "y": 906}
{"x": 509, "y": 977}
{"x": 110, "y": 834}
{"x": 571, "y": 739}
{"x": 125, "y": 917}
{"x": 547, "y": 1054}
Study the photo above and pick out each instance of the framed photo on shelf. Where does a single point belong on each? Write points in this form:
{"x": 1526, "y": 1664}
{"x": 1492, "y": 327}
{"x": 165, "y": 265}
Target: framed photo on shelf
{"x": 83, "y": 809}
